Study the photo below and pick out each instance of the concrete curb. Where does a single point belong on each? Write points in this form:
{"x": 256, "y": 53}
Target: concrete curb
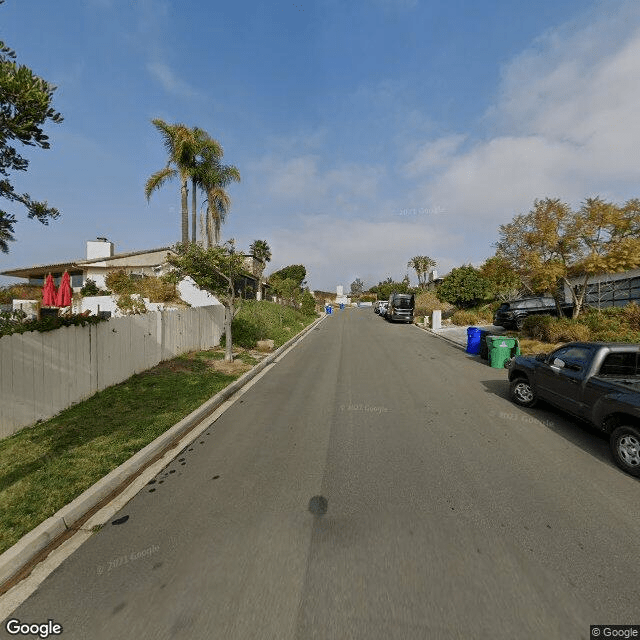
{"x": 438, "y": 335}
{"x": 70, "y": 517}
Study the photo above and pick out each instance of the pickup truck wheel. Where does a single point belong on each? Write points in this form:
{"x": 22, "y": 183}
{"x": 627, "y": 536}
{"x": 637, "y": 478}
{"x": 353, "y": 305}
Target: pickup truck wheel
{"x": 521, "y": 393}
{"x": 625, "y": 448}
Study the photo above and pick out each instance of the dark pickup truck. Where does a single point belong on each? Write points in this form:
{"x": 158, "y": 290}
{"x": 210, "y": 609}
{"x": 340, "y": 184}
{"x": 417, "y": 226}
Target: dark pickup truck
{"x": 596, "y": 381}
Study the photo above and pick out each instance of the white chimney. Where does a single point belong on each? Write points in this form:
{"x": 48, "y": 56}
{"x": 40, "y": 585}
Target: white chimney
{"x": 99, "y": 248}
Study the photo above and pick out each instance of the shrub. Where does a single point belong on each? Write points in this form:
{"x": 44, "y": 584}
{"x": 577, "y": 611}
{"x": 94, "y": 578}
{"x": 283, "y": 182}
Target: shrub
{"x": 90, "y": 288}
{"x": 20, "y": 292}
{"x": 465, "y": 318}
{"x": 632, "y": 316}
{"x": 537, "y": 327}
{"x": 427, "y": 303}
{"x": 120, "y": 282}
{"x": 308, "y": 305}
{"x": 566, "y": 330}
{"x": 13, "y": 322}
{"x": 157, "y": 289}
{"x": 129, "y": 305}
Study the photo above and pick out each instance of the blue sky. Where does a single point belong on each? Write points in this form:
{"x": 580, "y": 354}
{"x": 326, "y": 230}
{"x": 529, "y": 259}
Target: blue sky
{"x": 366, "y": 132}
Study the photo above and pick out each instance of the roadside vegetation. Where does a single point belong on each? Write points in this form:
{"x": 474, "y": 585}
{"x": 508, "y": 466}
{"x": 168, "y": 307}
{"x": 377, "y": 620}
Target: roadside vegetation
{"x": 46, "y": 466}
{"x": 262, "y": 320}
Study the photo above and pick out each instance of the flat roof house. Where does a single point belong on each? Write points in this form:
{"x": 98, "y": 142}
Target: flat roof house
{"x": 101, "y": 259}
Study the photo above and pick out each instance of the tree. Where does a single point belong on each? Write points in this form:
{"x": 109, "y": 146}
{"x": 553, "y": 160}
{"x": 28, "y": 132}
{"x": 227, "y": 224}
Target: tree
{"x": 25, "y": 107}
{"x": 262, "y": 252}
{"x": 216, "y": 269}
{"x": 463, "y": 287}
{"x": 505, "y": 282}
{"x": 296, "y": 272}
{"x": 179, "y": 143}
{"x": 552, "y": 244}
{"x": 288, "y": 282}
{"x": 422, "y": 266}
{"x": 357, "y": 287}
{"x": 213, "y": 177}
{"x": 385, "y": 288}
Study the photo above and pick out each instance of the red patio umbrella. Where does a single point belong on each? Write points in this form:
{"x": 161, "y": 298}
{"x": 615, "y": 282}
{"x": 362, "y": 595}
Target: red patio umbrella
{"x": 64, "y": 291}
{"x": 49, "y": 293}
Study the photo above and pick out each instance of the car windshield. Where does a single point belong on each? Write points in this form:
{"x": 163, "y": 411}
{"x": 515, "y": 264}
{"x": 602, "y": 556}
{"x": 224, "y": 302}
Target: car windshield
{"x": 403, "y": 303}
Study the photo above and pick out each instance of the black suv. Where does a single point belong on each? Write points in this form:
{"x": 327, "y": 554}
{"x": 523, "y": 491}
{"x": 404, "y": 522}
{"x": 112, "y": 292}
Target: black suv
{"x": 512, "y": 314}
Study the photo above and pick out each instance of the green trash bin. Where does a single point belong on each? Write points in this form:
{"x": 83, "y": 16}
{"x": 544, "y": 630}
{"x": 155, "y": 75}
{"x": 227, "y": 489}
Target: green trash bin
{"x": 501, "y": 349}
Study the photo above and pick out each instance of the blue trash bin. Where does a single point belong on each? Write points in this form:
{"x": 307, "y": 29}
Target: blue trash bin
{"x": 329, "y": 309}
{"x": 473, "y": 340}
{"x": 342, "y": 305}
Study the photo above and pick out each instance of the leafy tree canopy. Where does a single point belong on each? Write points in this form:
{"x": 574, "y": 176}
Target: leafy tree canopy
{"x": 552, "y": 243}
{"x": 218, "y": 270}
{"x": 464, "y": 287}
{"x": 295, "y": 272}
{"x": 506, "y": 283}
{"x": 25, "y": 107}
{"x": 385, "y": 288}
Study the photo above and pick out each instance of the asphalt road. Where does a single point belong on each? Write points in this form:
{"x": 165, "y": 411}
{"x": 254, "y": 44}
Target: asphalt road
{"x": 450, "y": 512}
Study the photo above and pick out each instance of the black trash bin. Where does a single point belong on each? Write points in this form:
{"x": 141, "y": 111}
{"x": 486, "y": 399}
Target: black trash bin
{"x": 484, "y": 349}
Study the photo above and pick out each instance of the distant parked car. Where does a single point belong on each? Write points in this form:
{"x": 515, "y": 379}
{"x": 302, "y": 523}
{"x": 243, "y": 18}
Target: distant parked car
{"x": 512, "y": 314}
{"x": 376, "y": 306}
{"x": 382, "y": 308}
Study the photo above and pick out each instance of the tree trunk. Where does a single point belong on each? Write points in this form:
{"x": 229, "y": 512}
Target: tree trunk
{"x": 228, "y": 319}
{"x": 193, "y": 211}
{"x": 185, "y": 211}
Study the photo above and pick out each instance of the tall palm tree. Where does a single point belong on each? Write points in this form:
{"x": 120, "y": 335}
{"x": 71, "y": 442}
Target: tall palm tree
{"x": 205, "y": 151}
{"x": 179, "y": 142}
{"x": 213, "y": 177}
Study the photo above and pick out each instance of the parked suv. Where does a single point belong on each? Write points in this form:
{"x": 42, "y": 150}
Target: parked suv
{"x": 512, "y": 314}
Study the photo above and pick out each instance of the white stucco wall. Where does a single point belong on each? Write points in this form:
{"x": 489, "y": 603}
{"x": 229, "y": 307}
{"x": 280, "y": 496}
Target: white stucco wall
{"x": 196, "y": 297}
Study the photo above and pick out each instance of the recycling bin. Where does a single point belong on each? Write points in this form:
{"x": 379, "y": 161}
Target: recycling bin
{"x": 502, "y": 349}
{"x": 329, "y": 309}
{"x": 342, "y": 305}
{"x": 473, "y": 340}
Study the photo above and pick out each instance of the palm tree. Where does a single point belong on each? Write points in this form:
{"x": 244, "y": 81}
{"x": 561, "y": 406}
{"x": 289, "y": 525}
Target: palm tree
{"x": 422, "y": 266}
{"x": 212, "y": 177}
{"x": 205, "y": 150}
{"x": 179, "y": 142}
{"x": 260, "y": 250}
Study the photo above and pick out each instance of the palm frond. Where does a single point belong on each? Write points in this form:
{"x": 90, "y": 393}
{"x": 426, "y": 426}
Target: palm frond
{"x": 157, "y": 180}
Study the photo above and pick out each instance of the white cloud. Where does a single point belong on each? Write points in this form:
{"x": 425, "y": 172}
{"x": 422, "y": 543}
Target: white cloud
{"x": 171, "y": 82}
{"x": 336, "y": 251}
{"x": 567, "y": 127}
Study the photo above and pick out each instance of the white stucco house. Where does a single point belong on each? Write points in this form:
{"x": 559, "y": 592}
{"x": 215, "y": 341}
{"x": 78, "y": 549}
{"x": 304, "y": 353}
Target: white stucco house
{"x": 101, "y": 259}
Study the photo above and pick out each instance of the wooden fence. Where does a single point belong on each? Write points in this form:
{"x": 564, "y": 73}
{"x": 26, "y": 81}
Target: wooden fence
{"x": 43, "y": 373}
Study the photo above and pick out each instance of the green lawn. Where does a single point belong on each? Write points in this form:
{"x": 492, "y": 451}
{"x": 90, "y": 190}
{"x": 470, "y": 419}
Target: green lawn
{"x": 46, "y": 466}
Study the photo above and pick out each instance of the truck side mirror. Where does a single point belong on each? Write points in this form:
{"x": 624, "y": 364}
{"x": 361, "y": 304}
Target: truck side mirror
{"x": 557, "y": 363}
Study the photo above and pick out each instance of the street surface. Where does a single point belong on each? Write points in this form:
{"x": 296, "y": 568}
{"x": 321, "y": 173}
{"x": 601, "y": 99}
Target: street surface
{"x": 450, "y": 512}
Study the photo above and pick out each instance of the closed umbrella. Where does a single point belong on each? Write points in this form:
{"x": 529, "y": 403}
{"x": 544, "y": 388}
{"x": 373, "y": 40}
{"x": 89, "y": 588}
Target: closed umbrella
{"x": 49, "y": 293}
{"x": 64, "y": 291}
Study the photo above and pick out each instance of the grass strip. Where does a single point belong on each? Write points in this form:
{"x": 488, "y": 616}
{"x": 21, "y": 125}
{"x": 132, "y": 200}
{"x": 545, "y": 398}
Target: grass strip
{"x": 44, "y": 467}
